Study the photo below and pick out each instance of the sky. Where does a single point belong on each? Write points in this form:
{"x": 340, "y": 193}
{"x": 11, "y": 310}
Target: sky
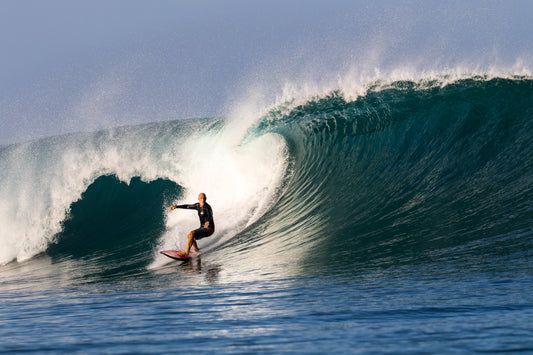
{"x": 69, "y": 65}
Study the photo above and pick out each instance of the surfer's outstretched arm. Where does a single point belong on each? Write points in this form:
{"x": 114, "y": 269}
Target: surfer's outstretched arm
{"x": 188, "y": 207}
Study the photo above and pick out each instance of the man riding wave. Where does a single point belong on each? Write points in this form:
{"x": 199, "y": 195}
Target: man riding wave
{"x": 207, "y": 224}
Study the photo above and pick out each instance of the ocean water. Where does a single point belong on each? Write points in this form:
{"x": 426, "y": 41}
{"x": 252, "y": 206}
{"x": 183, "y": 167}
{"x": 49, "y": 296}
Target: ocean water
{"x": 399, "y": 220}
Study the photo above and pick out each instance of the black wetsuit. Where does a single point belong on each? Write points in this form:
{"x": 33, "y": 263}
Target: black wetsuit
{"x": 205, "y": 214}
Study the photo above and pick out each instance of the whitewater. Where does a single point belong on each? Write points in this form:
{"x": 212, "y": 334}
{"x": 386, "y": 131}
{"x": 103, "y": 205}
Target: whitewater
{"x": 392, "y": 216}
{"x": 52, "y": 173}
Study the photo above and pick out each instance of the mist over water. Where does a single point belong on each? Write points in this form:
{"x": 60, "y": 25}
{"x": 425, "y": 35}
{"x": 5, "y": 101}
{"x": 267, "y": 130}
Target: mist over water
{"x": 105, "y": 65}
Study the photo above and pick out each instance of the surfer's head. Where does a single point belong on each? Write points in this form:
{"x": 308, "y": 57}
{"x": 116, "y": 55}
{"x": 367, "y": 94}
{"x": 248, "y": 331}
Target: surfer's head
{"x": 202, "y": 198}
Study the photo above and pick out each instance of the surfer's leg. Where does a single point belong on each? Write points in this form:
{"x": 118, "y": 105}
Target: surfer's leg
{"x": 190, "y": 242}
{"x": 196, "y": 234}
{"x": 195, "y": 245}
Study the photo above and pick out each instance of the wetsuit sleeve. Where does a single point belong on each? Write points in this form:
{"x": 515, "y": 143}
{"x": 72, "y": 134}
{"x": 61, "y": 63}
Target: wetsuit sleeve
{"x": 187, "y": 207}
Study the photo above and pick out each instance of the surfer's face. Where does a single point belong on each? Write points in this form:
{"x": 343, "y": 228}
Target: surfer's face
{"x": 201, "y": 199}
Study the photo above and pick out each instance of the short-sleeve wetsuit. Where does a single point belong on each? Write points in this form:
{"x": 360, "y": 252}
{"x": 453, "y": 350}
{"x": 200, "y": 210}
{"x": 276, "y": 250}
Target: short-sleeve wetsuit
{"x": 205, "y": 214}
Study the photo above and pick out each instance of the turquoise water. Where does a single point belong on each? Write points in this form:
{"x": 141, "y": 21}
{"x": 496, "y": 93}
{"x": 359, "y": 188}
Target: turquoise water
{"x": 396, "y": 222}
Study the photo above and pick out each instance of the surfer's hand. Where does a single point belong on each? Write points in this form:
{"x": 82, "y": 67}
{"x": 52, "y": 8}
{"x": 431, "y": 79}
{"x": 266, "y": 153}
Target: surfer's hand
{"x": 172, "y": 207}
{"x": 206, "y": 224}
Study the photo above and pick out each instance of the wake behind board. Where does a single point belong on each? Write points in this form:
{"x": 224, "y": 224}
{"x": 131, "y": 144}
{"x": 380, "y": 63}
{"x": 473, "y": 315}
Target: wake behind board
{"x": 178, "y": 254}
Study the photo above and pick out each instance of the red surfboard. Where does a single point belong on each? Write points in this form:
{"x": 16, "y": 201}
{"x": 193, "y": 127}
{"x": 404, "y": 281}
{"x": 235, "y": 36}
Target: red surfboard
{"x": 179, "y": 254}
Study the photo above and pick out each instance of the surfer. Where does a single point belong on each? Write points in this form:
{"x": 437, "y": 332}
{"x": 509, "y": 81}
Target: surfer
{"x": 207, "y": 225}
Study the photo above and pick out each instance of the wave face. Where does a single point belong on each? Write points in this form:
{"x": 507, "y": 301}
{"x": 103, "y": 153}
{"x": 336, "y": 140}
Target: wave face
{"x": 414, "y": 171}
{"x": 407, "y": 172}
